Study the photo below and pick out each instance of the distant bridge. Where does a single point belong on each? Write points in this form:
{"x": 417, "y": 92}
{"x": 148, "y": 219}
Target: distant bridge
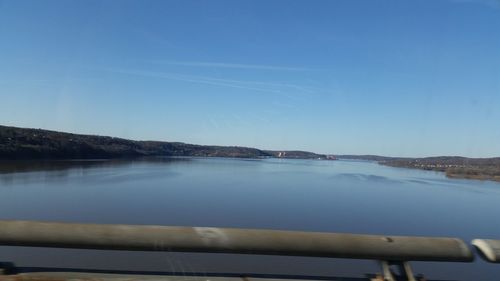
{"x": 393, "y": 252}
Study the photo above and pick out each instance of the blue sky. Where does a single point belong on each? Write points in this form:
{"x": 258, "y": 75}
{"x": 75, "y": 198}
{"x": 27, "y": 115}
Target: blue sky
{"x": 400, "y": 78}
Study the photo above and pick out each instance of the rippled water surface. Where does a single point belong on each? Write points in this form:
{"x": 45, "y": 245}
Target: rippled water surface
{"x": 311, "y": 195}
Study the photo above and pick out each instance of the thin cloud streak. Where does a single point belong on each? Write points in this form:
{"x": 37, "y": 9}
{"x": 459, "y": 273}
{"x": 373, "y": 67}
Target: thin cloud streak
{"x": 231, "y": 65}
{"x": 286, "y": 90}
{"x": 281, "y": 85}
{"x": 490, "y": 3}
{"x": 194, "y": 79}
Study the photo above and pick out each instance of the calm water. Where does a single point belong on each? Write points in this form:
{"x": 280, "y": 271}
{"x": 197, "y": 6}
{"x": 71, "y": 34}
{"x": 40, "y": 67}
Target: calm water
{"x": 311, "y": 195}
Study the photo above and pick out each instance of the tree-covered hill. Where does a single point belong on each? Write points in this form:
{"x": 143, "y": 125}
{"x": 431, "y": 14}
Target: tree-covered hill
{"x": 21, "y": 143}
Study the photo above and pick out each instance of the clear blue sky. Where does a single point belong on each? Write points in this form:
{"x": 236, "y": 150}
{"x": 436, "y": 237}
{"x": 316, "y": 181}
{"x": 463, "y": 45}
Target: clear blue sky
{"x": 401, "y": 78}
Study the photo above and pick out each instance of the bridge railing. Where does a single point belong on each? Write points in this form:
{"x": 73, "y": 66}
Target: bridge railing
{"x": 488, "y": 248}
{"x": 387, "y": 249}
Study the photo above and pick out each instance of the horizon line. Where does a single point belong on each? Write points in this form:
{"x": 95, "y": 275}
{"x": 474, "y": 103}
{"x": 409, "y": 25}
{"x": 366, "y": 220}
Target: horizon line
{"x": 242, "y": 146}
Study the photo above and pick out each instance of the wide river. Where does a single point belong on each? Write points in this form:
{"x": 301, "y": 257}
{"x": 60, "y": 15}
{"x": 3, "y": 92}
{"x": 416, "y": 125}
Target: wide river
{"x": 310, "y": 195}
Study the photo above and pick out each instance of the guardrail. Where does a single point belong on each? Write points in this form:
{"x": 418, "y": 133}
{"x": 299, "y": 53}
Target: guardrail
{"x": 390, "y": 250}
{"x": 488, "y": 248}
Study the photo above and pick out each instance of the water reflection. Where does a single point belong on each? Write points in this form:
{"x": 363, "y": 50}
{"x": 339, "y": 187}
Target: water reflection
{"x": 311, "y": 195}
{"x": 363, "y": 177}
{"x": 31, "y": 171}
{"x": 8, "y": 167}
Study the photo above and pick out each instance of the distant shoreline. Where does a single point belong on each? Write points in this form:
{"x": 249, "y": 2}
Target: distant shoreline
{"x": 37, "y": 144}
{"x": 25, "y": 143}
{"x": 453, "y": 166}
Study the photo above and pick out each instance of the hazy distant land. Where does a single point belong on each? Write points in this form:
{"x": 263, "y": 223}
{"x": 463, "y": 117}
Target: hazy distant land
{"x": 453, "y": 166}
{"x": 23, "y": 144}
